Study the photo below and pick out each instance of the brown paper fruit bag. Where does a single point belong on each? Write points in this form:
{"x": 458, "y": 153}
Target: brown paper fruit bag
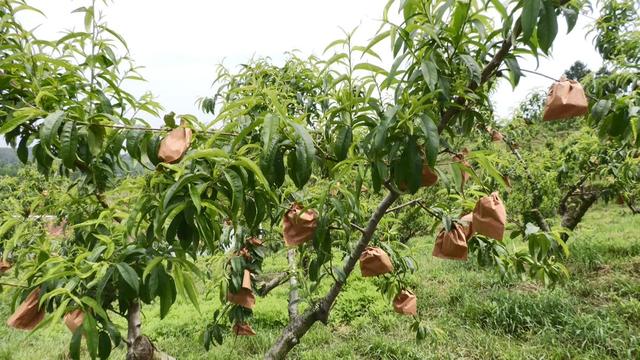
{"x": 451, "y": 245}
{"x": 4, "y": 266}
{"x": 298, "y": 227}
{"x": 429, "y": 176}
{"x": 28, "y": 315}
{"x": 243, "y": 330}
{"x": 74, "y": 319}
{"x": 467, "y": 225}
{"x": 374, "y": 261}
{"x": 175, "y": 145}
{"x": 244, "y": 297}
{"x": 496, "y": 136}
{"x": 490, "y": 217}
{"x": 566, "y": 100}
{"x": 405, "y": 303}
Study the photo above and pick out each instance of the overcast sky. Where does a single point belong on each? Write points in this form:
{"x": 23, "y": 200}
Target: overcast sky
{"x": 180, "y": 42}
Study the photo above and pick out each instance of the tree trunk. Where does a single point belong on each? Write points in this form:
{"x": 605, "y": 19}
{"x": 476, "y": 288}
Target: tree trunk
{"x": 139, "y": 347}
{"x": 299, "y": 326}
{"x": 293, "y": 285}
{"x": 134, "y": 325}
{"x": 572, "y": 217}
{"x": 633, "y": 209}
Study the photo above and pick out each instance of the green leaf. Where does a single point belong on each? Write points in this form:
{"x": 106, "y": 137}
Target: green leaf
{"x": 372, "y": 68}
{"x": 190, "y": 290}
{"x": 430, "y": 73}
{"x": 529, "y": 18}
{"x": 177, "y": 186}
{"x": 432, "y": 139}
{"x": 237, "y": 190}
{"x": 93, "y": 304}
{"x": 91, "y": 334}
{"x": 104, "y": 345}
{"x": 411, "y": 165}
{"x": 50, "y": 126}
{"x": 69, "y": 144}
{"x": 74, "y": 345}
{"x": 339, "y": 274}
{"x": 344, "y": 137}
{"x": 305, "y": 152}
{"x": 129, "y": 275}
{"x": 195, "y": 197}
{"x": 251, "y": 166}
{"x": 600, "y": 109}
{"x": 514, "y": 70}
{"x": 381, "y": 36}
{"x": 23, "y": 150}
{"x": 472, "y": 65}
{"x": 95, "y": 138}
{"x": 571, "y": 16}
{"x": 133, "y": 146}
{"x": 270, "y": 140}
{"x": 20, "y": 117}
{"x": 547, "y": 26}
{"x": 460, "y": 18}
{"x": 170, "y": 120}
{"x": 167, "y": 292}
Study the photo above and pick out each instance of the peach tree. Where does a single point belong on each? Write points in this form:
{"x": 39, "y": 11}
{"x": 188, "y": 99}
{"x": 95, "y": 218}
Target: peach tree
{"x": 346, "y": 138}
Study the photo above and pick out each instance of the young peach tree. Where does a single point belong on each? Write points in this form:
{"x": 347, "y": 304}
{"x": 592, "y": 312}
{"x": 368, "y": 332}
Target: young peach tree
{"x": 337, "y": 145}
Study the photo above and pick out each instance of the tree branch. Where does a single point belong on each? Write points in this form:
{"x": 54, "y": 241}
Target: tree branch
{"x": 562, "y": 208}
{"x": 320, "y": 311}
{"x": 266, "y": 286}
{"x": 293, "y": 285}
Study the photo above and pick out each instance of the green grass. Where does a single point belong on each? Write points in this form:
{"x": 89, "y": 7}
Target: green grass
{"x": 595, "y": 315}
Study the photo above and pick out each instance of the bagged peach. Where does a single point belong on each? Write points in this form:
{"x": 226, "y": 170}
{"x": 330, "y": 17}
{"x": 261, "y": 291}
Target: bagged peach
{"x": 243, "y": 329}
{"x": 299, "y": 226}
{"x": 28, "y": 315}
{"x": 244, "y": 297}
{"x": 405, "y": 303}
{"x": 4, "y": 266}
{"x": 490, "y": 217}
{"x": 175, "y": 145}
{"x": 451, "y": 245}
{"x": 74, "y": 319}
{"x": 566, "y": 99}
{"x": 374, "y": 261}
{"x": 429, "y": 176}
{"x": 496, "y": 136}
{"x": 467, "y": 225}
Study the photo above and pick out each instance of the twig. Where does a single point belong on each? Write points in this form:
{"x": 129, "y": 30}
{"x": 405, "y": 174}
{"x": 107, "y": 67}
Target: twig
{"x": 361, "y": 229}
{"x": 13, "y": 285}
{"x": 126, "y": 127}
{"x": 412, "y": 202}
{"x": 426, "y": 208}
{"x": 540, "y": 74}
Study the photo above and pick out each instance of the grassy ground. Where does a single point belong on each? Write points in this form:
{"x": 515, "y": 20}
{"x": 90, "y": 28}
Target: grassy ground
{"x": 596, "y": 315}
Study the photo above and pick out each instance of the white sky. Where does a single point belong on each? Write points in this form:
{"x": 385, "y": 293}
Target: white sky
{"x": 180, "y": 42}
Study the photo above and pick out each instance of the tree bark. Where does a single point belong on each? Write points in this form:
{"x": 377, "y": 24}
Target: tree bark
{"x": 265, "y": 287}
{"x": 293, "y": 285}
{"x": 140, "y": 347}
{"x": 572, "y": 217}
{"x": 134, "y": 325}
{"x": 634, "y": 210}
{"x": 297, "y": 328}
